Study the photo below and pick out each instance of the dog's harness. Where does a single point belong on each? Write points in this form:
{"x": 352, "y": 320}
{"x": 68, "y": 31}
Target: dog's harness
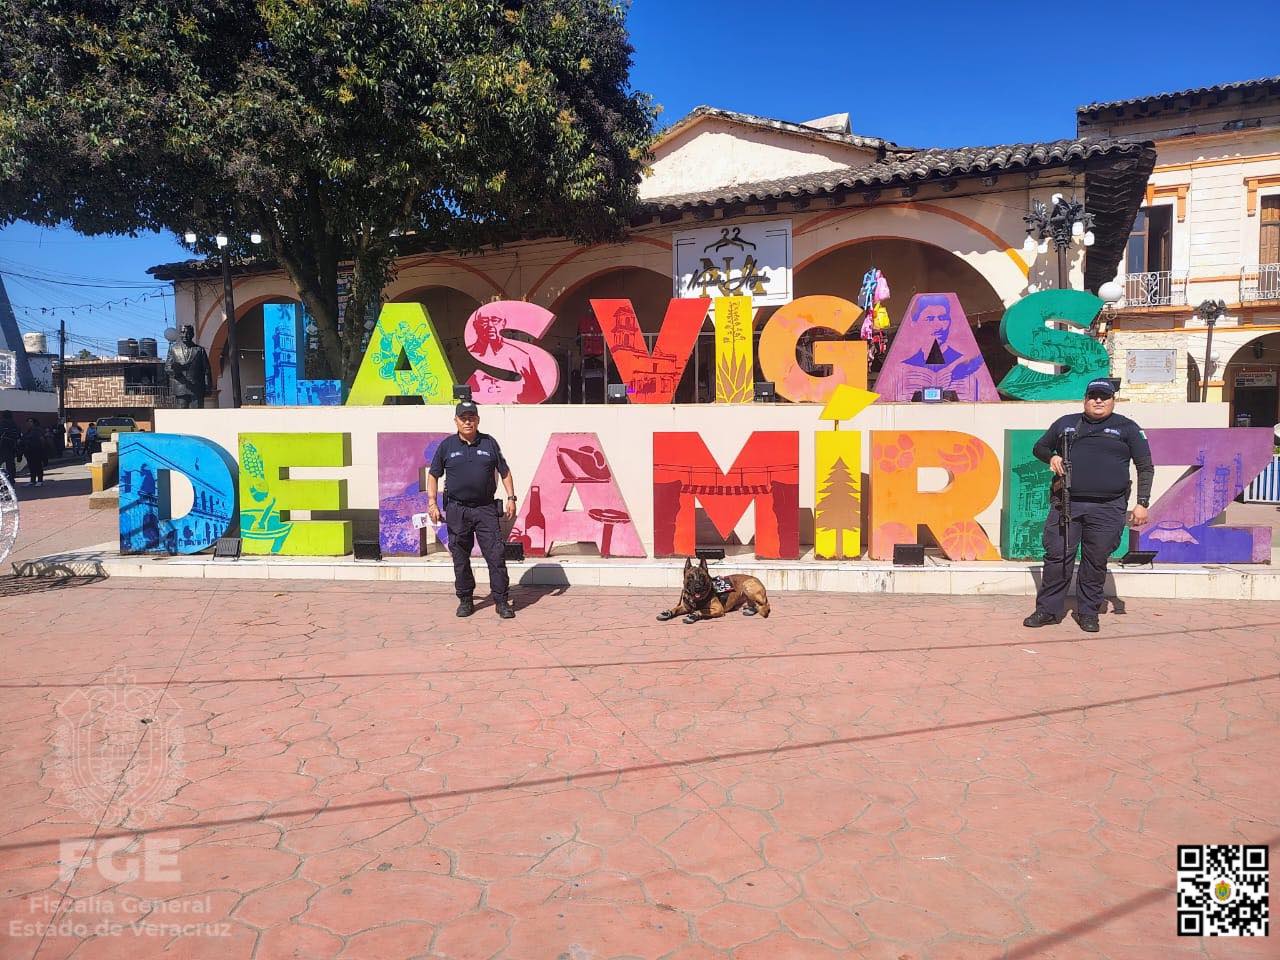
{"x": 720, "y": 586}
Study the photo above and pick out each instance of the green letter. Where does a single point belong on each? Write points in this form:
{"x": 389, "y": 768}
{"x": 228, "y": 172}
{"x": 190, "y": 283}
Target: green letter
{"x": 1024, "y": 332}
{"x": 267, "y": 494}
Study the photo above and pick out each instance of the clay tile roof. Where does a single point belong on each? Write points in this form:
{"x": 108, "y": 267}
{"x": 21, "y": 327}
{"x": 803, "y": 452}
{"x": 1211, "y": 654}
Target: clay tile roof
{"x": 900, "y": 167}
{"x": 786, "y": 126}
{"x": 1160, "y": 99}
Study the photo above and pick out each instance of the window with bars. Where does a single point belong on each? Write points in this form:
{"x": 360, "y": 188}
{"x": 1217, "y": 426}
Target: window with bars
{"x": 1269, "y": 230}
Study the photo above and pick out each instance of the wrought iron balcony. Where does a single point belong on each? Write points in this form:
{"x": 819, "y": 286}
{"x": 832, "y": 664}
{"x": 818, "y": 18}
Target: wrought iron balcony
{"x": 1161, "y": 288}
{"x": 1260, "y": 282}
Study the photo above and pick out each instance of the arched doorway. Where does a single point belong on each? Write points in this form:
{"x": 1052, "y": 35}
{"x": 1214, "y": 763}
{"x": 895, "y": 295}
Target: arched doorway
{"x": 574, "y": 338}
{"x": 1251, "y": 382}
{"x": 449, "y": 309}
{"x": 911, "y": 267}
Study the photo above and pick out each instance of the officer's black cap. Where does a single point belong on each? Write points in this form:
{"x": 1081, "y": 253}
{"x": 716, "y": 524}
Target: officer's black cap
{"x": 466, "y": 408}
{"x": 1101, "y": 385}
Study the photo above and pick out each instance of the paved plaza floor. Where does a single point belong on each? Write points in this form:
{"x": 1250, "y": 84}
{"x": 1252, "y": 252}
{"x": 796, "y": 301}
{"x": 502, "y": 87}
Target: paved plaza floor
{"x": 234, "y": 769}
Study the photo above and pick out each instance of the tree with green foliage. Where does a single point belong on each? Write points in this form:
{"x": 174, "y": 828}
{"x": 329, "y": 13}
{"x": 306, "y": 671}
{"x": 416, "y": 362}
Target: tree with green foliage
{"x": 343, "y": 130}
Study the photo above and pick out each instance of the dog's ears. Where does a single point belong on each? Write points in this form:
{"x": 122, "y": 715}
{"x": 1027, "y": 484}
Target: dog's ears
{"x": 703, "y": 563}
{"x": 687, "y": 564}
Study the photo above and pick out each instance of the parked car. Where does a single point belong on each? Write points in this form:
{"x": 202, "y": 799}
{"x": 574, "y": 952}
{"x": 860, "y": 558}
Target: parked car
{"x": 109, "y": 426}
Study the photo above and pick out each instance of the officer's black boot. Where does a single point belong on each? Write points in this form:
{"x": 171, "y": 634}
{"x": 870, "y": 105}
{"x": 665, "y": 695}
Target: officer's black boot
{"x": 504, "y": 608}
{"x": 1040, "y": 619}
{"x": 1088, "y": 622}
{"x": 466, "y": 606}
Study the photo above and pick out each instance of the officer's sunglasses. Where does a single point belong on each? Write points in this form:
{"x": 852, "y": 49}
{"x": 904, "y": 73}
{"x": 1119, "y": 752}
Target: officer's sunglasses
{"x": 1096, "y": 395}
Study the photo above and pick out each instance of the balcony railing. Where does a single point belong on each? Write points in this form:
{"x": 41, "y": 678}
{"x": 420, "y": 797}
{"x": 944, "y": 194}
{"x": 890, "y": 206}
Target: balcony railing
{"x": 1162, "y": 288}
{"x": 1260, "y": 282}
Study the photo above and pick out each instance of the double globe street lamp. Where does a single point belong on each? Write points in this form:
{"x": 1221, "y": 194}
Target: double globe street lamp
{"x": 1066, "y": 223}
{"x": 229, "y": 304}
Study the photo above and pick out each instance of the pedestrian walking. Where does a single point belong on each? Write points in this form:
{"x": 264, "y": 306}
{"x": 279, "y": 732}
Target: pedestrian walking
{"x": 1089, "y": 454}
{"x": 91, "y": 439}
{"x": 471, "y": 462}
{"x": 35, "y": 449}
{"x": 75, "y": 435}
{"x": 10, "y": 441}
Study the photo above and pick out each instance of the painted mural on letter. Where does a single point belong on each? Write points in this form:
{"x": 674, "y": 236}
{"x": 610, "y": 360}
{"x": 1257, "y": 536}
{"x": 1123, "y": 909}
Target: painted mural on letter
{"x": 533, "y": 374}
{"x": 935, "y": 348}
{"x": 765, "y": 472}
{"x": 147, "y": 524}
{"x": 402, "y": 458}
{"x": 575, "y": 463}
{"x": 404, "y": 359}
{"x": 266, "y": 497}
{"x": 898, "y": 506}
{"x": 780, "y": 337}
{"x": 651, "y": 376}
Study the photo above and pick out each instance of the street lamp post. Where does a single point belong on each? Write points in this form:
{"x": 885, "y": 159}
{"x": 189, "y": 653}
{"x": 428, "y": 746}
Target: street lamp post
{"x": 1065, "y": 223}
{"x": 1209, "y": 311}
{"x": 229, "y": 304}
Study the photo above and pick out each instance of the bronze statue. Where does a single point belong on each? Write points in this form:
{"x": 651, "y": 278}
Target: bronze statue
{"x": 188, "y": 370}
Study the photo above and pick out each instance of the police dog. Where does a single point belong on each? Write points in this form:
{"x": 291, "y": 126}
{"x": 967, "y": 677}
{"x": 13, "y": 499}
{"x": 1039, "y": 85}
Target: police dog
{"x": 705, "y": 597}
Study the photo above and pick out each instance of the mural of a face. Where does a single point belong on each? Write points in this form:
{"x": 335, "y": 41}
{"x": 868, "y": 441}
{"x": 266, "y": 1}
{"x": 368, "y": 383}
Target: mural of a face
{"x": 936, "y": 319}
{"x": 489, "y": 328}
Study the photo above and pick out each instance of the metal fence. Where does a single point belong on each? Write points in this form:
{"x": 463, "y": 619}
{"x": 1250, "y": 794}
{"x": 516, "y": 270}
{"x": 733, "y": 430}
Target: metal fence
{"x": 1266, "y": 486}
{"x": 1161, "y": 288}
{"x": 1260, "y": 281}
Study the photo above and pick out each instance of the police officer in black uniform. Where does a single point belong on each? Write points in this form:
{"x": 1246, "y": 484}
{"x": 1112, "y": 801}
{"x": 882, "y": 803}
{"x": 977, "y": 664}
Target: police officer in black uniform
{"x": 470, "y": 461}
{"x": 1100, "y": 443}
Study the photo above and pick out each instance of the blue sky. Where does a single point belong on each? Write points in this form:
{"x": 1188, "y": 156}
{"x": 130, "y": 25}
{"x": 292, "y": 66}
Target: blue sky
{"x": 921, "y": 74}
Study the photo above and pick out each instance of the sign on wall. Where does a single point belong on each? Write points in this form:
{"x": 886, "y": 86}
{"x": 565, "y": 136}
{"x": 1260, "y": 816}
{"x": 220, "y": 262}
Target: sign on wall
{"x": 8, "y": 368}
{"x": 1151, "y": 366}
{"x": 1256, "y": 377}
{"x": 744, "y": 260}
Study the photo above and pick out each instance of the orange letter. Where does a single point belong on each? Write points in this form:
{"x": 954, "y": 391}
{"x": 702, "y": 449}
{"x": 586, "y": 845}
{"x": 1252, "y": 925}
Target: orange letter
{"x": 781, "y": 336}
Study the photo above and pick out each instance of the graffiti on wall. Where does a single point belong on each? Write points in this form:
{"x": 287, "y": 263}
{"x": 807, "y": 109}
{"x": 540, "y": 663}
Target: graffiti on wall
{"x": 1223, "y": 462}
{"x": 935, "y": 348}
{"x": 574, "y": 465}
{"x": 146, "y": 463}
{"x": 766, "y": 472}
{"x": 531, "y": 374}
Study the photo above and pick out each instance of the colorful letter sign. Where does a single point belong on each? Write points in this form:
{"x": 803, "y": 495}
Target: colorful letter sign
{"x": 266, "y": 497}
{"x": 898, "y": 506}
{"x": 284, "y": 346}
{"x": 402, "y": 458}
{"x": 781, "y": 336}
{"x": 735, "y": 351}
{"x": 766, "y": 472}
{"x": 1024, "y": 332}
{"x": 146, "y": 522}
{"x": 651, "y": 376}
{"x": 935, "y": 348}
{"x": 533, "y": 373}
{"x": 404, "y": 359}
{"x": 575, "y": 463}
{"x": 1224, "y": 461}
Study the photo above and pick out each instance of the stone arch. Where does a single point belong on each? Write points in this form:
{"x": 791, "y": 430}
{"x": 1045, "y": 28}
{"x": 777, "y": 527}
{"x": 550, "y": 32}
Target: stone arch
{"x": 1245, "y": 379}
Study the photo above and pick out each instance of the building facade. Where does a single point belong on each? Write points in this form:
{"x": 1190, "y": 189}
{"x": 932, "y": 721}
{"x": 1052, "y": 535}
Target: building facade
{"x": 931, "y": 220}
{"x": 117, "y": 387}
{"x": 1208, "y": 229}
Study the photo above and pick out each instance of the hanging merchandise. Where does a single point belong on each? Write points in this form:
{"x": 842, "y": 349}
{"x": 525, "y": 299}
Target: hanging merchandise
{"x": 870, "y": 285}
{"x": 881, "y": 317}
{"x": 868, "y": 327}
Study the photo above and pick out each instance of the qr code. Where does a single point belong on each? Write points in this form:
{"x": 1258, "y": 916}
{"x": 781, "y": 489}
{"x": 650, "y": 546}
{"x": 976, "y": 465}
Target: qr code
{"x": 1222, "y": 891}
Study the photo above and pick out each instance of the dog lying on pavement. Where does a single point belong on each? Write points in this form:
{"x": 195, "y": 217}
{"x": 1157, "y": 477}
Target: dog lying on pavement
{"x": 705, "y": 597}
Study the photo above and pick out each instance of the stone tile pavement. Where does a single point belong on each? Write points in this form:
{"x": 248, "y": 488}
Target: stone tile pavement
{"x": 234, "y": 769}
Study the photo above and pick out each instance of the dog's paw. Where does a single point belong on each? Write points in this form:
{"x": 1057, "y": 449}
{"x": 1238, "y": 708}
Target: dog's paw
{"x": 692, "y": 618}
{"x": 666, "y": 615}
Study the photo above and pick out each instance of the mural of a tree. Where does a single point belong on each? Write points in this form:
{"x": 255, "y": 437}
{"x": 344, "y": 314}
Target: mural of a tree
{"x": 839, "y": 507}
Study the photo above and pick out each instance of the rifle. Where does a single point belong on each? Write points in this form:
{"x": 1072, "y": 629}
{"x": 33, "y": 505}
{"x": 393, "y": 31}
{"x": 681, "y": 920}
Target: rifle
{"x": 1064, "y": 508}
